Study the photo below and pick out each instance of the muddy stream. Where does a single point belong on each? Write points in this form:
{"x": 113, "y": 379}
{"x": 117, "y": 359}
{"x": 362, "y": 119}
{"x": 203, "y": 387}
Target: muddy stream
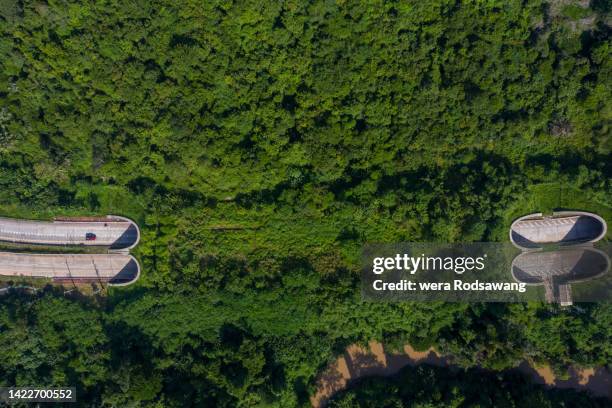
{"x": 357, "y": 362}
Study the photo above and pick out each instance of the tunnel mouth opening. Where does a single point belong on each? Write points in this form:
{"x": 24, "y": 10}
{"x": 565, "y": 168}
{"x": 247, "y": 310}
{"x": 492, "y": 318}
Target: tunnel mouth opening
{"x": 128, "y": 238}
{"x": 127, "y": 275}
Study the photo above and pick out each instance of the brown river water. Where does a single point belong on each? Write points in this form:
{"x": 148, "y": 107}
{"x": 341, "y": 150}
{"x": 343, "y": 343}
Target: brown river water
{"x": 357, "y": 362}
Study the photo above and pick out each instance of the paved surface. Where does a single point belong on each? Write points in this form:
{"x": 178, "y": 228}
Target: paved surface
{"x": 115, "y": 234}
{"x": 556, "y": 229}
{"x": 535, "y": 267}
{"x": 117, "y": 268}
{"x": 564, "y": 227}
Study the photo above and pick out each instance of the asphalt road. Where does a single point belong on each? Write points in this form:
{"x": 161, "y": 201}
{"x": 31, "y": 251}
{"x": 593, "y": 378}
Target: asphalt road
{"x": 564, "y": 227}
{"x": 88, "y": 267}
{"x": 117, "y": 234}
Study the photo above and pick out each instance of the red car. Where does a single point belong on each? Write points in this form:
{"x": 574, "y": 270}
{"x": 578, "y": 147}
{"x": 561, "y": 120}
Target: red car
{"x": 90, "y": 236}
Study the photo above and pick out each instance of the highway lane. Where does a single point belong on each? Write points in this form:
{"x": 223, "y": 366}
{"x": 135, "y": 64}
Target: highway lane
{"x": 564, "y": 227}
{"x": 116, "y": 232}
{"x": 113, "y": 268}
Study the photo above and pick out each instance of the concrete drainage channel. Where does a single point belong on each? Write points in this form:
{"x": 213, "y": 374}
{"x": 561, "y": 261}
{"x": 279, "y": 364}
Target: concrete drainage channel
{"x": 115, "y": 267}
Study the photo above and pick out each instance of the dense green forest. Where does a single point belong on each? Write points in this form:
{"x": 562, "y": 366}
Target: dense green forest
{"x": 259, "y": 145}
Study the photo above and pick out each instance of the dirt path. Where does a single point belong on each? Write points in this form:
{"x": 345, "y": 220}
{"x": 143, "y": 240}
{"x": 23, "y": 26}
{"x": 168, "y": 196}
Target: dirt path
{"x": 357, "y": 362}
